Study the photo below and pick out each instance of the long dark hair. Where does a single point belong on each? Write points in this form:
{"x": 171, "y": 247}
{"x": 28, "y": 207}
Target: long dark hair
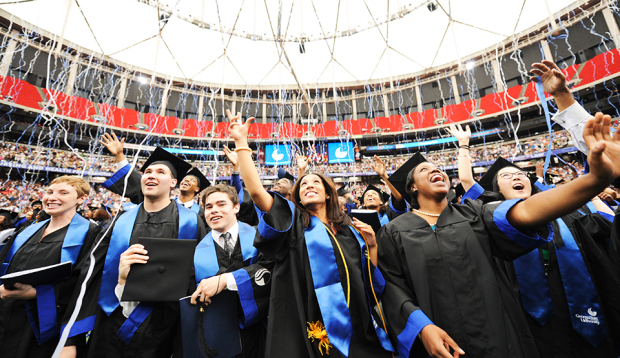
{"x": 335, "y": 216}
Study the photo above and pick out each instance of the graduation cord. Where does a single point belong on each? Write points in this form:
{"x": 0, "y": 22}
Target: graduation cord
{"x": 346, "y": 268}
{"x": 371, "y": 285}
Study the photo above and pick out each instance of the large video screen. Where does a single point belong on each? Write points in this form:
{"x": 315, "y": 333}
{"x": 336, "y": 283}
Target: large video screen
{"x": 341, "y": 152}
{"x": 277, "y": 154}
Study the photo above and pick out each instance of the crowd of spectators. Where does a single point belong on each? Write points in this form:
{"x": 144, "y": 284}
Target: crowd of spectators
{"x": 16, "y": 195}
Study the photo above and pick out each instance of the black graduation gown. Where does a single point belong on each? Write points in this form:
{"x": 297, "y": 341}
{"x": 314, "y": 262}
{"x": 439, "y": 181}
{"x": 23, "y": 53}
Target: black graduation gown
{"x": 116, "y": 184}
{"x": 247, "y": 213}
{"x": 557, "y": 338}
{"x": 448, "y": 278}
{"x": 252, "y": 337}
{"x": 17, "y": 338}
{"x": 159, "y": 334}
{"x": 293, "y": 298}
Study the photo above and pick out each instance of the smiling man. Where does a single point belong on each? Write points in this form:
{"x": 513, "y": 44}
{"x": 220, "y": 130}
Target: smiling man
{"x": 139, "y": 329}
{"x": 239, "y": 267}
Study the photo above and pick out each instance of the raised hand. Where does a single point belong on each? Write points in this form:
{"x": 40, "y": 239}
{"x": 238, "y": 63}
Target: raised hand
{"x": 461, "y": 135}
{"x": 232, "y": 157}
{"x": 379, "y": 167}
{"x": 238, "y": 130}
{"x": 604, "y": 156}
{"x": 552, "y": 78}
{"x": 302, "y": 164}
{"x": 540, "y": 167}
{"x": 115, "y": 146}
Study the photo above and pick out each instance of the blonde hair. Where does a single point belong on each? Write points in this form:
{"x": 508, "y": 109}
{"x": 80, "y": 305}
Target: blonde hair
{"x": 78, "y": 183}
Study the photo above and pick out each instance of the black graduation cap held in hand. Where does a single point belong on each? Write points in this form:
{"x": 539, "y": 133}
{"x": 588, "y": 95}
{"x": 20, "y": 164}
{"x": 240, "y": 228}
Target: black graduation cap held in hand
{"x": 165, "y": 276}
{"x": 178, "y": 166}
{"x": 399, "y": 177}
{"x": 203, "y": 182}
{"x": 283, "y": 174}
{"x": 489, "y": 179}
{"x": 342, "y": 191}
{"x": 383, "y": 195}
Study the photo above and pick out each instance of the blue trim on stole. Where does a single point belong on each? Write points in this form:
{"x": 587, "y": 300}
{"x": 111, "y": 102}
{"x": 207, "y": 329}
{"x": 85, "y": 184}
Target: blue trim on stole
{"x": 18, "y": 242}
{"x": 415, "y": 323}
{"x": 543, "y": 186}
{"x": 46, "y": 298}
{"x": 246, "y": 297}
{"x": 525, "y": 241}
{"x": 195, "y": 207}
{"x": 327, "y": 286}
{"x": 379, "y": 282}
{"x": 46, "y": 309}
{"x": 591, "y": 207}
{"x": 117, "y": 176}
{"x": 119, "y": 242}
{"x": 533, "y": 286}
{"x": 383, "y": 219}
{"x": 583, "y": 303}
{"x": 473, "y": 193}
{"x": 205, "y": 257}
{"x": 81, "y": 326}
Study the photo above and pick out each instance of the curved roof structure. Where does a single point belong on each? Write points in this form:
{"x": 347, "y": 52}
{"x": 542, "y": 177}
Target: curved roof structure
{"x": 288, "y": 42}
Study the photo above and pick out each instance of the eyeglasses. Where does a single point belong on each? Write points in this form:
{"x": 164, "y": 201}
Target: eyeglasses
{"x": 510, "y": 175}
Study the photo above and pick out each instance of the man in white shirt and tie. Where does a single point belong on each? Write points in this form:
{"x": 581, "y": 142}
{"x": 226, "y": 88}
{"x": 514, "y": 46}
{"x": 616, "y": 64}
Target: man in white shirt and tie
{"x": 239, "y": 266}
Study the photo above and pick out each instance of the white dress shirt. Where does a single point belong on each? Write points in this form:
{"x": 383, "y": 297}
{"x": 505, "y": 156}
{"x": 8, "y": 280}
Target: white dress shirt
{"x": 573, "y": 119}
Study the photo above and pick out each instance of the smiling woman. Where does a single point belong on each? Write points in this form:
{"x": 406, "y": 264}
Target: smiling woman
{"x": 67, "y": 236}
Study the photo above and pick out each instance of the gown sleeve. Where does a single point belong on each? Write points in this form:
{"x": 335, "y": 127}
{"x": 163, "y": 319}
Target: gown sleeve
{"x": 507, "y": 242}
{"x": 392, "y": 212}
{"x": 404, "y": 317}
{"x": 254, "y": 286}
{"x": 275, "y": 229}
{"x": 116, "y": 184}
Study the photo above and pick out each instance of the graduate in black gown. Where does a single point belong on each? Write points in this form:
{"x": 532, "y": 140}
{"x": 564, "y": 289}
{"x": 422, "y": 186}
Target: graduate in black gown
{"x": 558, "y": 281}
{"x": 441, "y": 282}
{"x": 31, "y": 318}
{"x": 325, "y": 286}
{"x": 192, "y": 184}
{"x": 227, "y": 259}
{"x": 139, "y": 329}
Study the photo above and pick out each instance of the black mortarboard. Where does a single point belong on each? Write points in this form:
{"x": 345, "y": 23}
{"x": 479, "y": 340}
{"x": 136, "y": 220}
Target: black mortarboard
{"x": 455, "y": 193}
{"x": 36, "y": 202}
{"x": 384, "y": 196}
{"x": 400, "y": 178}
{"x": 166, "y": 275}
{"x": 489, "y": 179}
{"x": 177, "y": 166}
{"x": 283, "y": 174}
{"x": 10, "y": 215}
{"x": 342, "y": 191}
{"x": 203, "y": 182}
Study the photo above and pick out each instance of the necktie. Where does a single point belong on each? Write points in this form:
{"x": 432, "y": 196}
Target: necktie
{"x": 228, "y": 246}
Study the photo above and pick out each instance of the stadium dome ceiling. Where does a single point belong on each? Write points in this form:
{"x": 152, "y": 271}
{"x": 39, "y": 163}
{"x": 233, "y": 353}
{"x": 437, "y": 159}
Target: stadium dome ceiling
{"x": 286, "y": 42}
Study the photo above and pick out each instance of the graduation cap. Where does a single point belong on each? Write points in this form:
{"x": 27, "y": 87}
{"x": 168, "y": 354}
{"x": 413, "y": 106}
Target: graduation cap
{"x": 455, "y": 193}
{"x": 203, "y": 182}
{"x": 489, "y": 179}
{"x": 36, "y": 202}
{"x": 283, "y": 174}
{"x": 383, "y": 195}
{"x": 400, "y": 177}
{"x": 166, "y": 275}
{"x": 342, "y": 191}
{"x": 10, "y": 215}
{"x": 177, "y": 166}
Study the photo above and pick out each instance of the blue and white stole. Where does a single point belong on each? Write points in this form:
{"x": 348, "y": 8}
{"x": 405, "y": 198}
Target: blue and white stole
{"x": 119, "y": 243}
{"x": 46, "y": 298}
{"x": 328, "y": 288}
{"x": 206, "y": 265}
{"x": 195, "y": 207}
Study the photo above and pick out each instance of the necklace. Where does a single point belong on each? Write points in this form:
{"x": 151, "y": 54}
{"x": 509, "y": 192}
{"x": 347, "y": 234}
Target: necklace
{"x": 427, "y": 214}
